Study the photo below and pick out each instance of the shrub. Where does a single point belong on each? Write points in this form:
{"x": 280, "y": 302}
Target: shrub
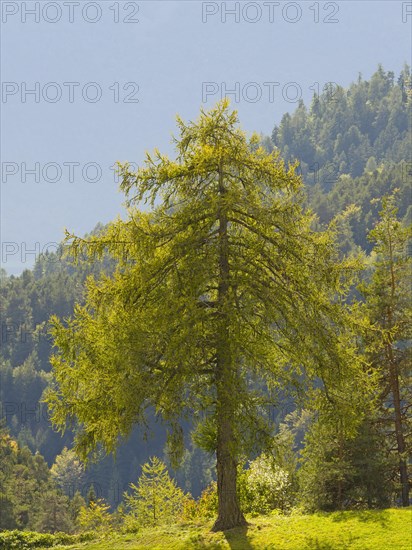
{"x": 24, "y": 540}
{"x": 204, "y": 508}
{"x": 265, "y": 487}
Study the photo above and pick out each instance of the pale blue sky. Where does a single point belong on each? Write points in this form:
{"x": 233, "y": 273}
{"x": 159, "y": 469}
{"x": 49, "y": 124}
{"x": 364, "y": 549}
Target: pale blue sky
{"x": 169, "y": 53}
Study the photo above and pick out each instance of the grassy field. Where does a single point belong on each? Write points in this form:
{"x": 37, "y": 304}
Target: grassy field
{"x": 365, "y": 530}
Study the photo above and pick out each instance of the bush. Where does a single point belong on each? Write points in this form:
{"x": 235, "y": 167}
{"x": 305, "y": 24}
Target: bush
{"x": 24, "y": 540}
{"x": 264, "y": 487}
{"x": 204, "y": 508}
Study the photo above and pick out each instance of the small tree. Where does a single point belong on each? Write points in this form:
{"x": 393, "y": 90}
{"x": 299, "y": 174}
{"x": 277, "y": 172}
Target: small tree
{"x": 341, "y": 470}
{"x": 156, "y": 498}
{"x": 76, "y": 503}
{"x": 91, "y": 495}
{"x": 67, "y": 471}
{"x": 8, "y": 460}
{"x": 95, "y": 516}
{"x": 54, "y": 513}
{"x": 371, "y": 165}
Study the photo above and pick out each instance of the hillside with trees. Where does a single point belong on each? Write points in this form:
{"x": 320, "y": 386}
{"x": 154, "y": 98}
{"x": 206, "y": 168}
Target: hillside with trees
{"x": 350, "y": 131}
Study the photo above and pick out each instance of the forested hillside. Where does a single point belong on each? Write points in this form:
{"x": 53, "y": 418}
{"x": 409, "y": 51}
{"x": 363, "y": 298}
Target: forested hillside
{"x": 353, "y": 146}
{"x": 349, "y": 131}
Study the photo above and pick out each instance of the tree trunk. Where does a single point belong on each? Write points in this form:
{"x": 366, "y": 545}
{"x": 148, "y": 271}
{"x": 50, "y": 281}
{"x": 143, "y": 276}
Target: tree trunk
{"x": 400, "y": 439}
{"x": 229, "y": 512}
{"x": 394, "y": 381}
{"x": 340, "y": 455}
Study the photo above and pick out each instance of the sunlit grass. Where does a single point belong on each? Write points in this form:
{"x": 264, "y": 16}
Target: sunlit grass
{"x": 363, "y": 530}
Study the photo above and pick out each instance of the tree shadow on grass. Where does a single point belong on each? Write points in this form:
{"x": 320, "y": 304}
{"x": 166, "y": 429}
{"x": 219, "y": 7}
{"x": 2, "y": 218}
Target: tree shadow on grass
{"x": 364, "y": 516}
{"x": 313, "y": 543}
{"x": 237, "y": 539}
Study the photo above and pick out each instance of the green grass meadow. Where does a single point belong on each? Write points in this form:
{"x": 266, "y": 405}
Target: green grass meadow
{"x": 363, "y": 530}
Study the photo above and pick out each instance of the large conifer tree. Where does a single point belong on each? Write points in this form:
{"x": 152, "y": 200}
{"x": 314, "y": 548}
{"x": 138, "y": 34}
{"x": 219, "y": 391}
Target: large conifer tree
{"x": 222, "y": 294}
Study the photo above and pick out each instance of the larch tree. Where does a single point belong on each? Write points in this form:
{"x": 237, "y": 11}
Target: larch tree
{"x": 223, "y": 294}
{"x": 388, "y": 304}
{"x": 156, "y": 498}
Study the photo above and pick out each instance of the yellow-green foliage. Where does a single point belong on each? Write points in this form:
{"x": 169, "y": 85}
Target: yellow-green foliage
{"x": 264, "y": 486}
{"x": 95, "y": 517}
{"x": 156, "y": 499}
{"x": 24, "y": 540}
{"x": 203, "y": 508}
{"x": 150, "y": 333}
{"x": 366, "y": 530}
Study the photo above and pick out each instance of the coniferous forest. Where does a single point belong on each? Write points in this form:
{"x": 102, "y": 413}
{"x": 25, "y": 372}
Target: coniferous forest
{"x": 239, "y": 345}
